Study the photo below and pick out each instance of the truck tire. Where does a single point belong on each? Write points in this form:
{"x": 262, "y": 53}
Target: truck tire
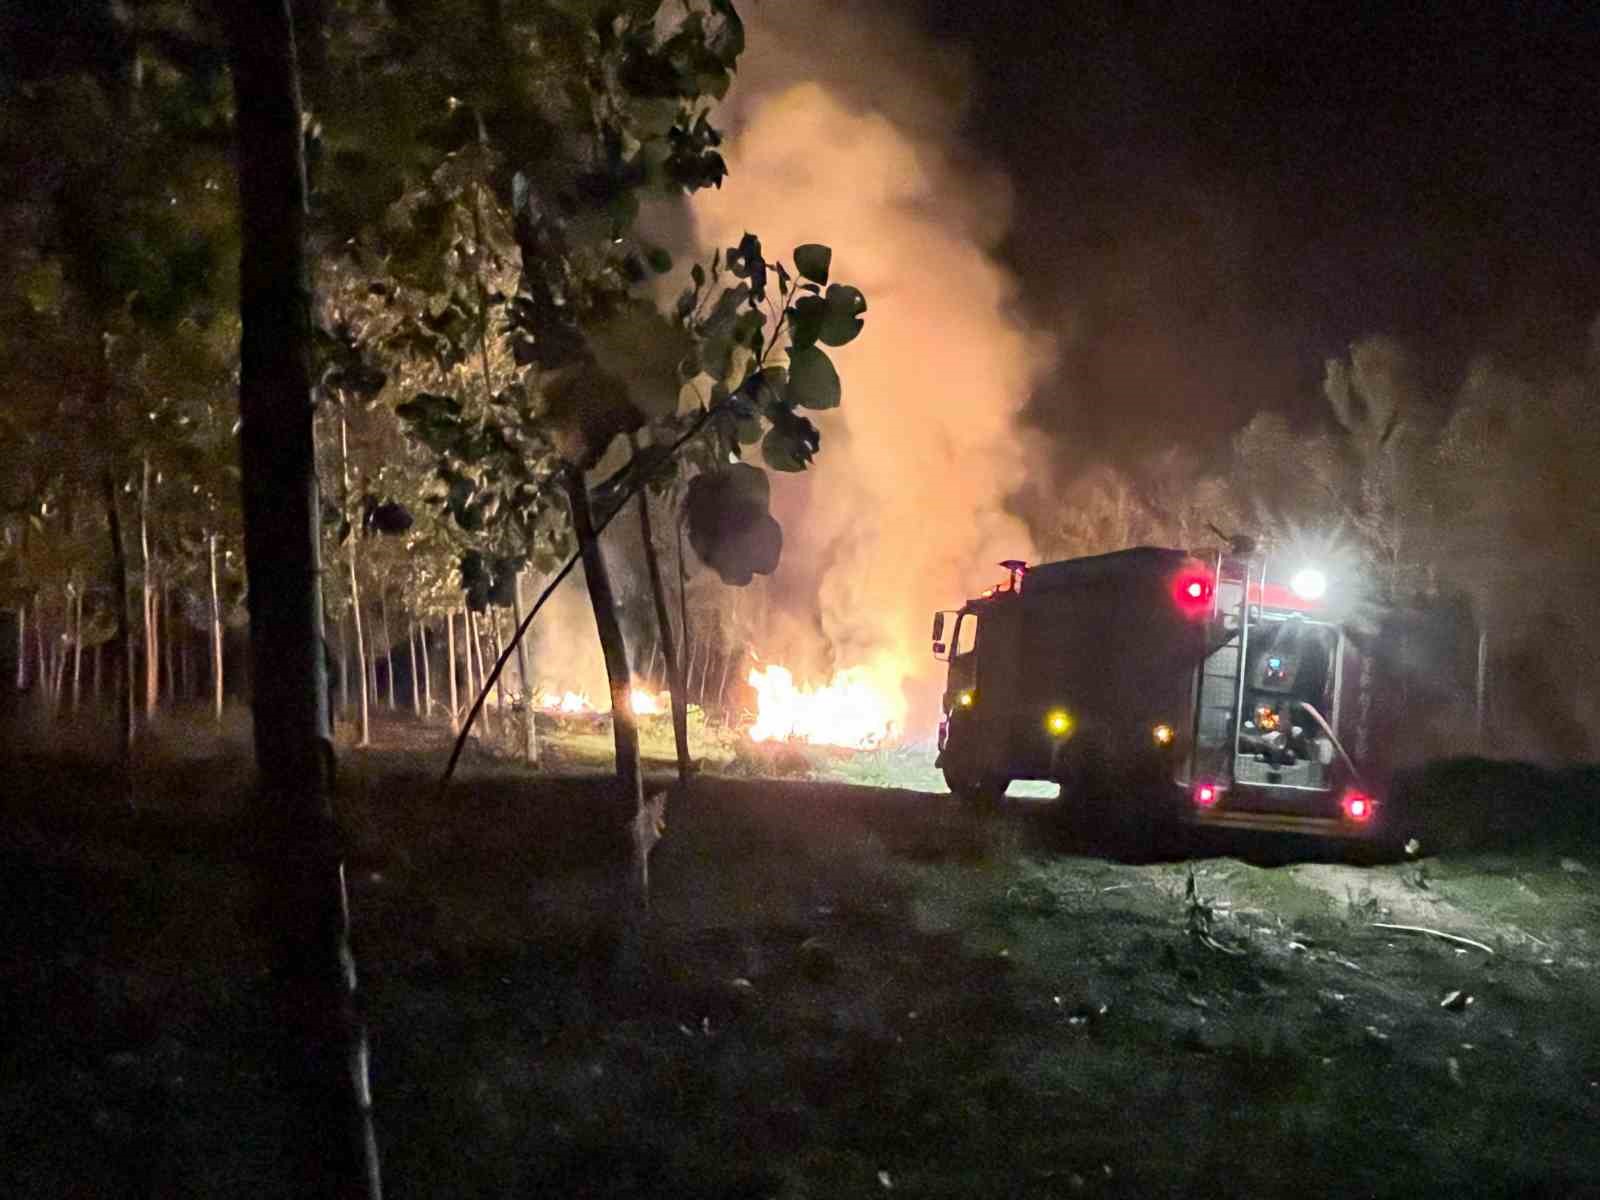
{"x": 976, "y": 791}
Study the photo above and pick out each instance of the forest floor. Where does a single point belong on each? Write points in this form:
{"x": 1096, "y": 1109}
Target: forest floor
{"x": 850, "y": 991}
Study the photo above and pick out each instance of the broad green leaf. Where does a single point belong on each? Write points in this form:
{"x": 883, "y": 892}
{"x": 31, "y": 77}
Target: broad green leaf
{"x": 841, "y": 320}
{"x": 805, "y": 320}
{"x": 812, "y": 261}
{"x": 813, "y": 383}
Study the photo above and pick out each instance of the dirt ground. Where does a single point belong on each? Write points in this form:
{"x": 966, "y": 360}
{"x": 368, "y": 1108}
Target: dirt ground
{"x": 851, "y": 991}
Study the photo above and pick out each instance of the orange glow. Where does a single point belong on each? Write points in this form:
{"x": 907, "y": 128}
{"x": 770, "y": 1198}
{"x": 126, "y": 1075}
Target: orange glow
{"x": 851, "y": 710}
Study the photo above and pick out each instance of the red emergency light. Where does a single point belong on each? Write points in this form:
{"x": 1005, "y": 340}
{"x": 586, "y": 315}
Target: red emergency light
{"x": 1358, "y": 806}
{"x": 1193, "y": 592}
{"x": 1206, "y": 795}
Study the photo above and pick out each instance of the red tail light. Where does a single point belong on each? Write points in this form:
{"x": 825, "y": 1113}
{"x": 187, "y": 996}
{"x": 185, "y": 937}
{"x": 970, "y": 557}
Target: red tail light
{"x": 1206, "y": 795}
{"x": 1358, "y": 806}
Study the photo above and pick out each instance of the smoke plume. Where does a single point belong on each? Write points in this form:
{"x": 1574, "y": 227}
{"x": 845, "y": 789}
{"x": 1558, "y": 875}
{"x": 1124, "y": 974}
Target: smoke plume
{"x": 836, "y": 137}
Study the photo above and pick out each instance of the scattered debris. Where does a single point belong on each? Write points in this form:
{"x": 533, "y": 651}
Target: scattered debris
{"x": 1573, "y": 867}
{"x": 1454, "y": 1068}
{"x": 885, "y": 1179}
{"x": 1456, "y": 1001}
{"x": 1448, "y": 937}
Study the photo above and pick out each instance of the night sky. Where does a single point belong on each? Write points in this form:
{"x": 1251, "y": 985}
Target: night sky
{"x": 1212, "y": 199}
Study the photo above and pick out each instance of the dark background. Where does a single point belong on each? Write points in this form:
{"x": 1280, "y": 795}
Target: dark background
{"x": 1213, "y": 199}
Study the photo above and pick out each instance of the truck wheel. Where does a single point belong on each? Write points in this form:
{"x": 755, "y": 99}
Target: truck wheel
{"x": 976, "y": 791}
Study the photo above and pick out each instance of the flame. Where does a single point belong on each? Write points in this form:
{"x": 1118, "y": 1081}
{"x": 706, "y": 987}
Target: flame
{"x": 644, "y": 702}
{"x": 852, "y": 710}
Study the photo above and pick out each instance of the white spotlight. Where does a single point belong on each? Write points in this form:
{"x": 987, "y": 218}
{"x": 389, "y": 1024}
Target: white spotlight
{"x": 1309, "y": 583}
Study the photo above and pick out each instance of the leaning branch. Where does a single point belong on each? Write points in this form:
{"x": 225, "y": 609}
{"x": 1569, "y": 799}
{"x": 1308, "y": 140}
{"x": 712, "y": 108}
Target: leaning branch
{"x": 628, "y": 492}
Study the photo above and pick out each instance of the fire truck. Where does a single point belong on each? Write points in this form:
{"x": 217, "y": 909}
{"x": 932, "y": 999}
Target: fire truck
{"x": 1169, "y": 687}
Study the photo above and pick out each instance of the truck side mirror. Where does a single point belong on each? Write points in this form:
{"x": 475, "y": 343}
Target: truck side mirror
{"x": 939, "y": 649}
{"x": 938, "y": 632}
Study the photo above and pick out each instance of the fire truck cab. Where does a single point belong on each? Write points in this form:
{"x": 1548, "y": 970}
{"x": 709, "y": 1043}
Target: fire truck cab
{"x": 1197, "y": 689}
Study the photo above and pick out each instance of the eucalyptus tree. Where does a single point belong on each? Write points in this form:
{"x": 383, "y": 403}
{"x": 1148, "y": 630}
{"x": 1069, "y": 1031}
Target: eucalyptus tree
{"x": 114, "y": 139}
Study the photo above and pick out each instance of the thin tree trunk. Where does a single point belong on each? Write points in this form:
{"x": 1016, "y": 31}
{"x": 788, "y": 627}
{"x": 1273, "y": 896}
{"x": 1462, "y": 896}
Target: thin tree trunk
{"x": 477, "y": 655}
{"x": 22, "y": 646}
{"x": 152, "y": 661}
{"x": 167, "y": 641}
{"x": 344, "y": 668}
{"x": 388, "y": 642}
{"x": 355, "y": 588}
{"x": 658, "y": 596}
{"x": 41, "y": 653}
{"x": 450, "y": 653}
{"x": 624, "y": 728}
{"x": 466, "y": 656}
{"x": 427, "y": 672}
{"x": 722, "y": 686}
{"x": 216, "y": 631}
{"x": 531, "y": 733}
{"x": 59, "y": 655}
{"x": 77, "y": 647}
{"x": 185, "y": 673}
{"x": 683, "y": 597}
{"x": 411, "y": 648}
{"x": 119, "y": 597}
{"x": 94, "y": 692}
{"x": 307, "y": 913}
{"x": 475, "y": 666}
{"x": 495, "y": 646}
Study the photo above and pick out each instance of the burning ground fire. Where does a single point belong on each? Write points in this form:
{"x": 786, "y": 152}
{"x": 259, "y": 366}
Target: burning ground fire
{"x": 644, "y": 702}
{"x": 852, "y": 710}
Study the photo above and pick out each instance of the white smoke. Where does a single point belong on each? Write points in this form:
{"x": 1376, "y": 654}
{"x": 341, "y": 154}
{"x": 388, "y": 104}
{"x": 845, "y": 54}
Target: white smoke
{"x": 904, "y": 511}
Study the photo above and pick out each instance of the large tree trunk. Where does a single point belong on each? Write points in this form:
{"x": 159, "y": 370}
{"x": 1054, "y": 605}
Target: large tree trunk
{"x": 664, "y": 639}
{"x": 624, "y": 728}
{"x": 325, "y": 1052}
{"x": 152, "y": 660}
{"x": 216, "y": 631}
{"x": 450, "y": 652}
{"x": 531, "y": 733}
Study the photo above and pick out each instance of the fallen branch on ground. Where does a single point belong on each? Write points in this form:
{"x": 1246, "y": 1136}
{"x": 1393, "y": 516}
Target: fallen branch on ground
{"x": 1448, "y": 937}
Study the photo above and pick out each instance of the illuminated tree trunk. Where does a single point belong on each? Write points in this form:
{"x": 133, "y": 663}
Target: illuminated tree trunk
{"x": 152, "y": 660}
{"x": 427, "y": 671}
{"x": 602, "y": 599}
{"x": 324, "y": 1055}
{"x": 216, "y": 632}
{"x": 77, "y": 646}
{"x": 531, "y": 734}
{"x": 411, "y": 648}
{"x": 450, "y": 653}
{"x": 658, "y": 595}
{"x": 388, "y": 641}
{"x": 167, "y": 641}
{"x": 355, "y": 587}
{"x": 123, "y": 675}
